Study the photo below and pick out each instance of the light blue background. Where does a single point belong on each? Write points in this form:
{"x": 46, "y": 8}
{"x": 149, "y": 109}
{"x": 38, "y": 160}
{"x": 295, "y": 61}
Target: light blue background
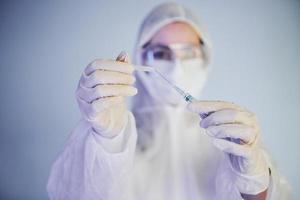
{"x": 45, "y": 45}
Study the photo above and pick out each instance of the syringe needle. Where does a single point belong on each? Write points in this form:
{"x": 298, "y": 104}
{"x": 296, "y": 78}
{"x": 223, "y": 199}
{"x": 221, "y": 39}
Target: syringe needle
{"x": 143, "y": 68}
{"x": 163, "y": 77}
{"x": 187, "y": 97}
{"x": 151, "y": 69}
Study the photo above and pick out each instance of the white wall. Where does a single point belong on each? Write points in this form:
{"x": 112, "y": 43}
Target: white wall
{"x": 46, "y": 45}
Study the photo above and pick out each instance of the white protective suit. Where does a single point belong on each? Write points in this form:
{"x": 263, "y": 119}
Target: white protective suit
{"x": 162, "y": 153}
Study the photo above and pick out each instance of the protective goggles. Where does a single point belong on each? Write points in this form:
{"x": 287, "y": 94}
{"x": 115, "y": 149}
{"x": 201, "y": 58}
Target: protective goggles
{"x": 181, "y": 51}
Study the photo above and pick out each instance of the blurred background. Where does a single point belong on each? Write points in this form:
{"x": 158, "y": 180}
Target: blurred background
{"x": 45, "y": 45}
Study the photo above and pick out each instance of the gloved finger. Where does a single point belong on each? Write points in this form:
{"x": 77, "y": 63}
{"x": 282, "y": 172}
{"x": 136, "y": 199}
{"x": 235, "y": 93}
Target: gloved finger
{"x": 109, "y": 65}
{"x": 105, "y": 103}
{"x": 228, "y": 116}
{"x": 237, "y": 131}
{"x": 100, "y": 91}
{"x": 106, "y": 77}
{"x": 90, "y": 110}
{"x": 208, "y": 107}
{"x": 232, "y": 148}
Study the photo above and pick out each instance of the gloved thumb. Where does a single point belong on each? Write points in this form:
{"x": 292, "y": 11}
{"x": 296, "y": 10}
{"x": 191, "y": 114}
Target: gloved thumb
{"x": 123, "y": 57}
{"x": 203, "y": 108}
{"x": 196, "y": 107}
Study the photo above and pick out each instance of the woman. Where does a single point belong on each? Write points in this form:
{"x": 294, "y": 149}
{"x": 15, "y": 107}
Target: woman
{"x": 159, "y": 151}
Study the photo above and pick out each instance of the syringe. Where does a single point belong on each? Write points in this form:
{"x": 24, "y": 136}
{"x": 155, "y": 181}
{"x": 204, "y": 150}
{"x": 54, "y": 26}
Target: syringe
{"x": 187, "y": 96}
{"x": 143, "y": 68}
{"x": 123, "y": 57}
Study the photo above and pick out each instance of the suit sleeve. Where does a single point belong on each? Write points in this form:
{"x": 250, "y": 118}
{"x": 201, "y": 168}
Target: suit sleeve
{"x": 93, "y": 167}
{"x": 278, "y": 188}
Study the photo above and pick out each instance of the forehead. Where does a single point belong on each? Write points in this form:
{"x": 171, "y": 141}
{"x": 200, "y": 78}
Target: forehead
{"x": 177, "y": 32}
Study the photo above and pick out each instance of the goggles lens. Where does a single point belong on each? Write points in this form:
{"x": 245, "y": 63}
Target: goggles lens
{"x": 173, "y": 52}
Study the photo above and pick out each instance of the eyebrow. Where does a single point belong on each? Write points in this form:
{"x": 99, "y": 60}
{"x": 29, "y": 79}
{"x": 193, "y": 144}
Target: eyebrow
{"x": 146, "y": 44}
{"x": 149, "y": 42}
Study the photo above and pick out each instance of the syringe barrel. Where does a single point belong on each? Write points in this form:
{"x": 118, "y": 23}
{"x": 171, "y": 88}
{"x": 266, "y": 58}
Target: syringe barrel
{"x": 189, "y": 98}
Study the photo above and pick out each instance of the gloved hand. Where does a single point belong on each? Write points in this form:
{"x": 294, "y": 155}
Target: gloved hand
{"x": 101, "y": 91}
{"x": 235, "y": 131}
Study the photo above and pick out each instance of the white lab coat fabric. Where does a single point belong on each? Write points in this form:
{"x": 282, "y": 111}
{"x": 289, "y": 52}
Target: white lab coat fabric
{"x": 86, "y": 170}
{"x": 178, "y": 163}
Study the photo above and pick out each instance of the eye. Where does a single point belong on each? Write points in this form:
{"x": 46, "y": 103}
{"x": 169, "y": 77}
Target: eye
{"x": 158, "y": 52}
{"x": 162, "y": 54}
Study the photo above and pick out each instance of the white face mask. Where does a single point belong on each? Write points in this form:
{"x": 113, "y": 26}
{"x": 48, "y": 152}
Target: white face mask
{"x": 190, "y": 75}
